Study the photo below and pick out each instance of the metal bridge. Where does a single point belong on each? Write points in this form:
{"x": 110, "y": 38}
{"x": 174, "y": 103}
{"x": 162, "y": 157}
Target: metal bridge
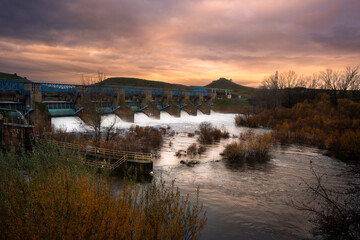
{"x": 65, "y": 99}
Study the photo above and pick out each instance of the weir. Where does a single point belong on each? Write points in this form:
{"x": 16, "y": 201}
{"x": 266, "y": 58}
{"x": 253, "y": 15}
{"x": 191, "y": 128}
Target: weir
{"x": 38, "y": 102}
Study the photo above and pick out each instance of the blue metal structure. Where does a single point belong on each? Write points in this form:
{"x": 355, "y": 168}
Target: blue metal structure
{"x": 60, "y": 88}
{"x": 7, "y": 85}
{"x": 157, "y": 92}
{"x": 133, "y": 91}
{"x": 180, "y": 105}
{"x": 101, "y": 89}
{"x": 137, "y": 106}
{"x": 199, "y": 89}
{"x": 105, "y": 107}
{"x": 176, "y": 93}
{"x": 62, "y": 108}
{"x": 18, "y": 106}
{"x": 161, "y": 106}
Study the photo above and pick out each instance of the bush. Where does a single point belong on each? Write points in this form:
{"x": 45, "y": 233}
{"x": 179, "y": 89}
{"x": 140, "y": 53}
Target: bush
{"x": 192, "y": 149}
{"x": 209, "y": 134}
{"x": 253, "y": 149}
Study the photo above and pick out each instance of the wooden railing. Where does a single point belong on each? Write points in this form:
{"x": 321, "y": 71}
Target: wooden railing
{"x": 121, "y": 155}
{"x": 104, "y": 164}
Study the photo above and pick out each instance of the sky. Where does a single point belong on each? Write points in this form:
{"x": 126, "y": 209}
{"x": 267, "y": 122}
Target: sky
{"x": 191, "y": 42}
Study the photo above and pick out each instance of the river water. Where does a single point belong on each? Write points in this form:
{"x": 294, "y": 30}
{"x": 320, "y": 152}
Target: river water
{"x": 242, "y": 201}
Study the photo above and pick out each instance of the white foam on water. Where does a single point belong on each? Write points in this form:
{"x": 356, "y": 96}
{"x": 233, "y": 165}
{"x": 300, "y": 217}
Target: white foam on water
{"x": 184, "y": 114}
{"x": 142, "y": 118}
{"x": 199, "y": 113}
{"x": 110, "y": 119}
{"x": 185, "y": 123}
{"x": 69, "y": 124}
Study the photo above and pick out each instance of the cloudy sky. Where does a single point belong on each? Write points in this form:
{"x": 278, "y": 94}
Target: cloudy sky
{"x": 183, "y": 41}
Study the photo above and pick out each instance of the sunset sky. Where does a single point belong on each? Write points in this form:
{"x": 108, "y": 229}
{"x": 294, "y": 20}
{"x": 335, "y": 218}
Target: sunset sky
{"x": 185, "y": 41}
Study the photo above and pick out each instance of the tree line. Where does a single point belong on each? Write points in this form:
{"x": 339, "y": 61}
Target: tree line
{"x": 288, "y": 88}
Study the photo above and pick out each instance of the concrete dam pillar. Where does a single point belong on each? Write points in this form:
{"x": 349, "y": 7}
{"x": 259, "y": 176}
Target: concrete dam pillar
{"x": 125, "y": 113}
{"x": 40, "y": 116}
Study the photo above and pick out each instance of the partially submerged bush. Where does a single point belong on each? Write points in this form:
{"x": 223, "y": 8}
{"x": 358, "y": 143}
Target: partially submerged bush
{"x": 209, "y": 134}
{"x": 255, "y": 148}
{"x": 192, "y": 149}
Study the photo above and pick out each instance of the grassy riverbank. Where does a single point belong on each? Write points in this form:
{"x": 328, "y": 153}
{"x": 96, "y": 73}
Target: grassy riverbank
{"x": 50, "y": 194}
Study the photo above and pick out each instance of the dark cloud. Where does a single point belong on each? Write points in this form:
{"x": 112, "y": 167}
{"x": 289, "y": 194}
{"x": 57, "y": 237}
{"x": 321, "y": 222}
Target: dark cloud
{"x": 177, "y": 39}
{"x": 82, "y": 21}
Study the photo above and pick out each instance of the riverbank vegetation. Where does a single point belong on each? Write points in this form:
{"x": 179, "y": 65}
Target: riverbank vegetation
{"x": 252, "y": 149}
{"x": 50, "y": 194}
{"x": 317, "y": 122}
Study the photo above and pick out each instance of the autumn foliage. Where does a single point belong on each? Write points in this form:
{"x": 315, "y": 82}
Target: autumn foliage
{"x": 319, "y": 123}
{"x": 49, "y": 194}
{"x": 208, "y": 133}
{"x": 252, "y": 149}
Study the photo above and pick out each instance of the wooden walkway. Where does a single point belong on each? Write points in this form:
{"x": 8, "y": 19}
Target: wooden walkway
{"x": 120, "y": 156}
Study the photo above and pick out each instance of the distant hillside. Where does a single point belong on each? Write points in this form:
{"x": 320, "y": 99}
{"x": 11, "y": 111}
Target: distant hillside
{"x": 14, "y": 77}
{"x": 225, "y": 84}
{"x": 136, "y": 82}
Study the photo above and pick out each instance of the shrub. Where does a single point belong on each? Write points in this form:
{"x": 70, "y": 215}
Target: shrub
{"x": 192, "y": 149}
{"x": 209, "y": 134}
{"x": 253, "y": 149}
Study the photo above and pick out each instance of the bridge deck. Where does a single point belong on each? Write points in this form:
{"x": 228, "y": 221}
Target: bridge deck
{"x": 120, "y": 156}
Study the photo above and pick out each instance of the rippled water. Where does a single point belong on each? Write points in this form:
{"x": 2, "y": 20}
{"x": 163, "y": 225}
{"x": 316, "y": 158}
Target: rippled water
{"x": 242, "y": 201}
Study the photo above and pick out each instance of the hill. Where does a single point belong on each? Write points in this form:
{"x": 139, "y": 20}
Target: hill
{"x": 226, "y": 84}
{"x": 137, "y": 82}
{"x": 15, "y": 77}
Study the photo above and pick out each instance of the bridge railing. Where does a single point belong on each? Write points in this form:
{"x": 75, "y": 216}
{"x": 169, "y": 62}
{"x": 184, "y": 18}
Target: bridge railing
{"x": 126, "y": 155}
{"x": 55, "y": 87}
{"x": 7, "y": 85}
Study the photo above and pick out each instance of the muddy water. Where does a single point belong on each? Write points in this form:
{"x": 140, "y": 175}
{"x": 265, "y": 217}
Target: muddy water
{"x": 242, "y": 201}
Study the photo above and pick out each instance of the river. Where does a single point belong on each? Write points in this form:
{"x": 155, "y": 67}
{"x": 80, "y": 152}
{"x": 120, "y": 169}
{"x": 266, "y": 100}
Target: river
{"x": 242, "y": 201}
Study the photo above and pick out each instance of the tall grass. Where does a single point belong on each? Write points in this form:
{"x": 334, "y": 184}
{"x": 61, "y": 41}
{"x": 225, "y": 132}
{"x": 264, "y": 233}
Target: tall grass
{"x": 49, "y": 194}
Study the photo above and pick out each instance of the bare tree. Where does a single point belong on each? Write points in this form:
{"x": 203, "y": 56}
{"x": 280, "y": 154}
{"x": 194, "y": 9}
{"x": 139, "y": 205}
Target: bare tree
{"x": 271, "y": 92}
{"x": 331, "y": 81}
{"x": 349, "y": 80}
{"x": 288, "y": 80}
{"x": 93, "y": 98}
{"x": 312, "y": 82}
{"x": 335, "y": 215}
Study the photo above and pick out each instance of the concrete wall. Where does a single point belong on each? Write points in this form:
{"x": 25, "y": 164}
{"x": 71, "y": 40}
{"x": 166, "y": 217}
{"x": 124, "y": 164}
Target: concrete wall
{"x": 151, "y": 111}
{"x": 125, "y": 113}
{"x": 190, "y": 108}
{"x": 173, "y": 110}
{"x": 205, "y": 108}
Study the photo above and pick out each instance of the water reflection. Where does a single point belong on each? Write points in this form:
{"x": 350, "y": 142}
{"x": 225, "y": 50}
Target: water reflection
{"x": 243, "y": 200}
{"x": 243, "y": 166}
